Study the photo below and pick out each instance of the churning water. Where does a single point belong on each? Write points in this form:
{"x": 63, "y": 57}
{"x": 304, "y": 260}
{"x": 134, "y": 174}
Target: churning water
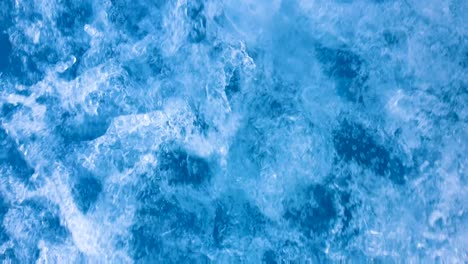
{"x": 233, "y": 131}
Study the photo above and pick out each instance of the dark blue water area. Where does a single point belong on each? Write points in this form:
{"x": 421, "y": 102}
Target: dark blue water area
{"x": 12, "y": 159}
{"x": 182, "y": 168}
{"x": 5, "y": 50}
{"x": 222, "y": 131}
{"x": 347, "y": 69}
{"x": 86, "y": 190}
{"x": 353, "y": 143}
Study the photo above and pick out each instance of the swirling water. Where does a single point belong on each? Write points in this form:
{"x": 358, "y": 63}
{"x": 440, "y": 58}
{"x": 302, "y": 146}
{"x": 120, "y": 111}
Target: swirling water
{"x": 233, "y": 131}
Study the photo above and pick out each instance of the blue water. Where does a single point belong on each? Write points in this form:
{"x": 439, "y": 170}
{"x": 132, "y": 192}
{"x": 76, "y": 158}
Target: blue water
{"x": 233, "y": 131}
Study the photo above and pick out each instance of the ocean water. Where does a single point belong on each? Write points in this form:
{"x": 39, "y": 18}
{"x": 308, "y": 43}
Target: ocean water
{"x": 233, "y": 131}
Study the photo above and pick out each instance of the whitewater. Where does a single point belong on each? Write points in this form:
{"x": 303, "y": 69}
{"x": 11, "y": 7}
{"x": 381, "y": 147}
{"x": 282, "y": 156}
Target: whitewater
{"x": 233, "y": 131}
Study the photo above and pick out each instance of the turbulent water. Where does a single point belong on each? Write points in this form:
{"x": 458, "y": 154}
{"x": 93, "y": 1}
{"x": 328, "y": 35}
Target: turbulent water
{"x": 229, "y": 131}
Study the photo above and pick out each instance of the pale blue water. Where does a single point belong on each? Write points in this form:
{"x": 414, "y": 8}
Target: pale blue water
{"x": 233, "y": 131}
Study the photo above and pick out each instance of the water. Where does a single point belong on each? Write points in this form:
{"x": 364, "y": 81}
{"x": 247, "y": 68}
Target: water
{"x": 222, "y": 131}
